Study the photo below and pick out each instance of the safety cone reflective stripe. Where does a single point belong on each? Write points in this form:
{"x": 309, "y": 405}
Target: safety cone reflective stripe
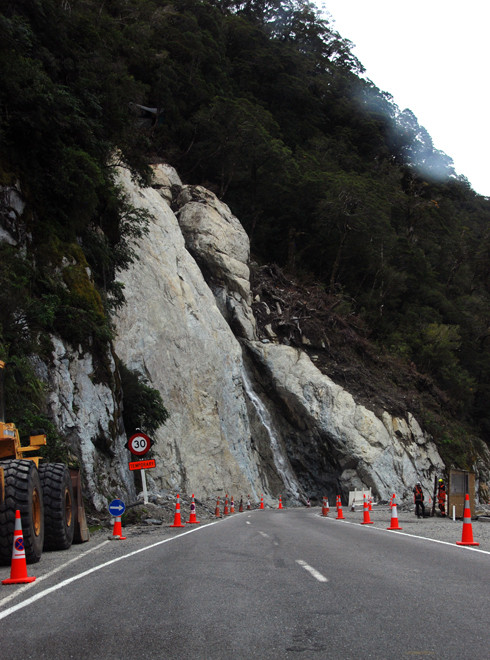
{"x": 240, "y": 506}
{"x": 117, "y": 530}
{"x": 467, "y": 537}
{"x": 18, "y": 567}
{"x": 217, "y": 511}
{"x": 261, "y": 501}
{"x": 280, "y": 503}
{"x": 394, "y": 515}
{"x": 340, "y": 513}
{"x": 232, "y": 505}
{"x": 177, "y": 519}
{"x": 225, "y": 509}
{"x": 366, "y": 519}
{"x": 192, "y": 516}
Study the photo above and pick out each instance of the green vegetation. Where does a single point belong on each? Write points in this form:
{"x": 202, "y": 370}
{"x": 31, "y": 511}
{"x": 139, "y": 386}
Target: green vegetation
{"x": 263, "y": 102}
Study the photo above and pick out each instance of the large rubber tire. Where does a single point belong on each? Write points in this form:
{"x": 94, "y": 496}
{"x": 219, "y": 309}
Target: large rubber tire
{"x": 23, "y": 492}
{"x": 59, "y": 510}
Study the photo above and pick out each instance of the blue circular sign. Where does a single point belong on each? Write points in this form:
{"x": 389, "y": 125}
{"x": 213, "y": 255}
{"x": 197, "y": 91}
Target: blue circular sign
{"x": 117, "y": 508}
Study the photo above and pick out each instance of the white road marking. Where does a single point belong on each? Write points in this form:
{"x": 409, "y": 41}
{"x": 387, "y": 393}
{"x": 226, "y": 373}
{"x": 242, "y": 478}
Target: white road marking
{"x": 248, "y": 522}
{"x": 316, "y": 574}
{"x": 13, "y": 595}
{"x": 266, "y": 536}
{"x": 415, "y": 536}
{"x": 68, "y": 581}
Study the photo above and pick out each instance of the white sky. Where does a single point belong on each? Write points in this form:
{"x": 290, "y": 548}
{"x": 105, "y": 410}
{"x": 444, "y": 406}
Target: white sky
{"x": 432, "y": 56}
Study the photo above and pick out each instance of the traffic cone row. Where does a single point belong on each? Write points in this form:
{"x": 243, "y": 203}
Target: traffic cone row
{"x": 18, "y": 566}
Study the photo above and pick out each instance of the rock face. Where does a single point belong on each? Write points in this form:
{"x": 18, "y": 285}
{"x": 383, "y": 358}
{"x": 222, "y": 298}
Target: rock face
{"x": 245, "y": 416}
{"x": 172, "y": 331}
{"x": 87, "y": 414}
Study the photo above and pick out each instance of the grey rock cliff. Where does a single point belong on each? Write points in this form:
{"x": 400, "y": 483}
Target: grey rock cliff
{"x": 286, "y": 427}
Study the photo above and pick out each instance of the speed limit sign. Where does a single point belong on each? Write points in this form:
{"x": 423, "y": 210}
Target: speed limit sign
{"x": 139, "y": 444}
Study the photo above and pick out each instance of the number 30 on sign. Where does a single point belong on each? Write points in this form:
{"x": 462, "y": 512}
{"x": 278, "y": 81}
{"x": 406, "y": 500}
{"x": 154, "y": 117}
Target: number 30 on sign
{"x": 139, "y": 444}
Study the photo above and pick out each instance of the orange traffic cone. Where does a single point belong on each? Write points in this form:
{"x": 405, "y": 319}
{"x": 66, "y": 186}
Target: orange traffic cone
{"x": 262, "y": 501}
{"x": 467, "y": 538}
{"x": 225, "y": 509}
{"x": 240, "y": 506}
{"x": 366, "y": 520}
{"x": 325, "y": 508}
{"x": 249, "y": 506}
{"x": 117, "y": 530}
{"x": 280, "y": 503}
{"x": 217, "y": 512}
{"x": 18, "y": 567}
{"x": 340, "y": 513}
{"x": 177, "y": 519}
{"x": 192, "y": 516}
{"x": 232, "y": 505}
{"x": 370, "y": 504}
{"x": 394, "y": 515}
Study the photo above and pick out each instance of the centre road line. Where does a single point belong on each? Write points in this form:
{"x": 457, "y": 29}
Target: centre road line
{"x": 68, "y": 581}
{"x": 316, "y": 574}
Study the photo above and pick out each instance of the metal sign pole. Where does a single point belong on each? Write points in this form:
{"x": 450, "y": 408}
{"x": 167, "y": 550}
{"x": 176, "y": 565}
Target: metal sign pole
{"x": 145, "y": 492}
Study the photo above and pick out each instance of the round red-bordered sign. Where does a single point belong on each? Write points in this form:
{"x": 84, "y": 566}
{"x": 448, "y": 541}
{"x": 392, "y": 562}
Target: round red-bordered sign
{"x": 139, "y": 444}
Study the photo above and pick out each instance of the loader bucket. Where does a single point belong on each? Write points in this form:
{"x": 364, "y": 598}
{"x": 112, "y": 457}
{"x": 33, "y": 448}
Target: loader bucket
{"x": 82, "y": 533}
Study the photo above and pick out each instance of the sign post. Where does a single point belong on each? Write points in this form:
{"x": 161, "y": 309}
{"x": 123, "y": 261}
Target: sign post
{"x": 139, "y": 444}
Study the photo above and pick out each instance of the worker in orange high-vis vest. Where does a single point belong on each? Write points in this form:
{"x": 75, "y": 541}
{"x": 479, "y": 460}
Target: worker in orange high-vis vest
{"x": 441, "y": 496}
{"x": 418, "y": 498}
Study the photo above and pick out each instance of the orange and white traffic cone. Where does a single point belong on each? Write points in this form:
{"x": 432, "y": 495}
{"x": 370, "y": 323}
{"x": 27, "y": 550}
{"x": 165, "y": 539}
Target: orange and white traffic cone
{"x": 192, "y": 516}
{"x": 370, "y": 504}
{"x": 232, "y": 505}
{"x": 340, "y": 513}
{"x": 467, "y": 538}
{"x": 262, "y": 501}
{"x": 249, "y": 506}
{"x": 217, "y": 512}
{"x": 394, "y": 515}
{"x": 240, "y": 506}
{"x": 117, "y": 530}
{"x": 366, "y": 519}
{"x": 280, "y": 503}
{"x": 18, "y": 567}
{"x": 177, "y": 518}
{"x": 226, "y": 511}
{"x": 324, "y": 508}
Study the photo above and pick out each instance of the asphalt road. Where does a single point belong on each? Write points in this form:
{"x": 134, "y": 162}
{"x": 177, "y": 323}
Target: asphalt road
{"x": 262, "y": 584}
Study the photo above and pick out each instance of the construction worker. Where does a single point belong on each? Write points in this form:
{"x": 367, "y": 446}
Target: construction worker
{"x": 418, "y": 498}
{"x": 441, "y": 496}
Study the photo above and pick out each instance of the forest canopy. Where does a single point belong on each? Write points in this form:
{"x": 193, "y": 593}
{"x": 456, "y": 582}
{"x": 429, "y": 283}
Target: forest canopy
{"x": 263, "y": 102}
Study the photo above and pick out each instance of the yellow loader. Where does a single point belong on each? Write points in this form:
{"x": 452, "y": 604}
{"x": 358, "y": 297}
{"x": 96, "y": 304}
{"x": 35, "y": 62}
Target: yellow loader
{"x": 48, "y": 495}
